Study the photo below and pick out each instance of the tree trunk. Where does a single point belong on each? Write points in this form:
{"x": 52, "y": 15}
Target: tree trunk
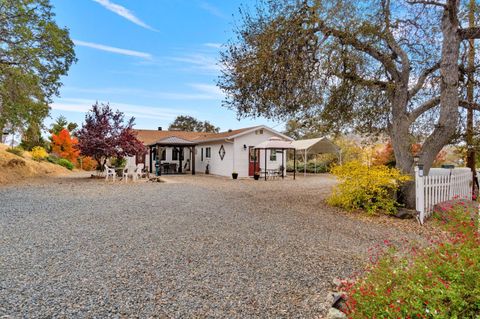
{"x": 399, "y": 134}
{"x": 449, "y": 99}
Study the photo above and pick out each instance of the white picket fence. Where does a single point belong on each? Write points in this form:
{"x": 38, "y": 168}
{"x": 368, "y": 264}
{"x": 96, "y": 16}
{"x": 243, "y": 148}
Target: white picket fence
{"x": 439, "y": 186}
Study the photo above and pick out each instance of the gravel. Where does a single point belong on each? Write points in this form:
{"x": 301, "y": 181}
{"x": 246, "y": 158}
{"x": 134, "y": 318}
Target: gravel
{"x": 202, "y": 246}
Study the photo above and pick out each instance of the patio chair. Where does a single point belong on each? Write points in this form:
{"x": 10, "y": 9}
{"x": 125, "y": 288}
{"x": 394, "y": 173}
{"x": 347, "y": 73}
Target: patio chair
{"x": 138, "y": 174}
{"x": 128, "y": 171}
{"x": 109, "y": 172}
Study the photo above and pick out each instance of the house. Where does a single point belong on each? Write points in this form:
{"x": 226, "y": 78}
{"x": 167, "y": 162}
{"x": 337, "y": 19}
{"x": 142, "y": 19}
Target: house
{"x": 218, "y": 153}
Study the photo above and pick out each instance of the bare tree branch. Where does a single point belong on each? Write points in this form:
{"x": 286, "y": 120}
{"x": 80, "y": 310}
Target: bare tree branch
{"x": 348, "y": 39}
{"x": 428, "y": 2}
{"x": 423, "y": 77}
{"x": 422, "y": 108}
{"x": 469, "y": 33}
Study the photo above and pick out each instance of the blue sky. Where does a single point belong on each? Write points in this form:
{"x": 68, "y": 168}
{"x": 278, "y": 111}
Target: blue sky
{"x": 152, "y": 59}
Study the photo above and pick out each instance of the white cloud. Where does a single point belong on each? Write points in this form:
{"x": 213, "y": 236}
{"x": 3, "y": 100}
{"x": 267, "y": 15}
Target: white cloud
{"x": 106, "y": 48}
{"x": 200, "y": 61}
{"x": 212, "y": 9}
{"x": 138, "y": 111}
{"x": 123, "y": 12}
{"x": 202, "y": 92}
{"x": 210, "y": 89}
{"x": 213, "y": 45}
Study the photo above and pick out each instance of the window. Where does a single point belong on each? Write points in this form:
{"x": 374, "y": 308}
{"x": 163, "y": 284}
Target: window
{"x": 273, "y": 154}
{"x": 258, "y": 132}
{"x": 221, "y": 152}
{"x": 164, "y": 155}
{"x": 208, "y": 152}
{"x": 175, "y": 152}
{"x": 201, "y": 155}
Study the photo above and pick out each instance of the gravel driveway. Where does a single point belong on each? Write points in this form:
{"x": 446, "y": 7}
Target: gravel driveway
{"x": 196, "y": 247}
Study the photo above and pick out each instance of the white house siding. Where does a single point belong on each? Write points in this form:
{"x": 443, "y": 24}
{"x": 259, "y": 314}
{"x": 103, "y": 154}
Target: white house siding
{"x": 241, "y": 161}
{"x": 217, "y": 166}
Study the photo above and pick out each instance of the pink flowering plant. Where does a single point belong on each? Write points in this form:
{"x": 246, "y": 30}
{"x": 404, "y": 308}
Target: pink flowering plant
{"x": 440, "y": 280}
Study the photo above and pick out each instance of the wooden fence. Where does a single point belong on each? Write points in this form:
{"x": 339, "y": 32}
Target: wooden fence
{"x": 439, "y": 186}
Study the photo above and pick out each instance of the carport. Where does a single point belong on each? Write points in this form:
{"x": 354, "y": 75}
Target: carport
{"x": 314, "y": 146}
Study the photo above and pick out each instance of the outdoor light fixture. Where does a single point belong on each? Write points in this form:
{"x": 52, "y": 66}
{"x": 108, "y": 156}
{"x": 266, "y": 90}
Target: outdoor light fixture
{"x": 244, "y": 147}
{"x": 420, "y": 170}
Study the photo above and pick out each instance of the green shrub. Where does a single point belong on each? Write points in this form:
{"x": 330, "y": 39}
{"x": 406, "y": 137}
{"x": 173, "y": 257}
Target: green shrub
{"x": 369, "y": 188}
{"x": 321, "y": 166}
{"x": 17, "y": 150}
{"x": 52, "y": 159}
{"x": 65, "y": 163}
{"x": 438, "y": 281}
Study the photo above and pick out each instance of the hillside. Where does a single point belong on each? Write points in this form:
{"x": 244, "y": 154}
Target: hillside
{"x": 14, "y": 168}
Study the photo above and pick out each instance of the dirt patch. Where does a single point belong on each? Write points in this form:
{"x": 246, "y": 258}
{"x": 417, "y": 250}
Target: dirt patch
{"x": 15, "y": 169}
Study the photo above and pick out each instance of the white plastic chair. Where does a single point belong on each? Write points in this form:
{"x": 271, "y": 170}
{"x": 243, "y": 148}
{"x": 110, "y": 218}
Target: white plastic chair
{"x": 109, "y": 172}
{"x": 139, "y": 171}
{"x": 128, "y": 171}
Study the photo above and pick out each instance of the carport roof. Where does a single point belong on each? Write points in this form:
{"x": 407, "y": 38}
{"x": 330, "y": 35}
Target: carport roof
{"x": 315, "y": 145}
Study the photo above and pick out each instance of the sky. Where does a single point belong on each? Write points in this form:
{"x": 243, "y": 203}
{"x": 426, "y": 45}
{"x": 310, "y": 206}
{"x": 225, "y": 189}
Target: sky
{"x": 151, "y": 59}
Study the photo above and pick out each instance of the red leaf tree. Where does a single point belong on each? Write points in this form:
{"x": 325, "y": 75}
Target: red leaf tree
{"x": 65, "y": 146}
{"x": 106, "y": 134}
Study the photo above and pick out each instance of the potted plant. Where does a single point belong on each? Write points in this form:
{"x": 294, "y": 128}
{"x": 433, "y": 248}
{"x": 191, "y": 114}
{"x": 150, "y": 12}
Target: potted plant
{"x": 256, "y": 176}
{"x": 234, "y": 175}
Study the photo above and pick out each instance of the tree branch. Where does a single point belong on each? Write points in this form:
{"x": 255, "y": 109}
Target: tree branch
{"x": 348, "y": 39}
{"x": 428, "y": 2}
{"x": 469, "y": 33}
{"x": 430, "y": 104}
{"x": 423, "y": 77}
{"x": 422, "y": 108}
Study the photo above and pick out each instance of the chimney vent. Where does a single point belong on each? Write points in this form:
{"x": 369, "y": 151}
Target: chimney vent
{"x": 229, "y": 130}
{"x": 159, "y": 128}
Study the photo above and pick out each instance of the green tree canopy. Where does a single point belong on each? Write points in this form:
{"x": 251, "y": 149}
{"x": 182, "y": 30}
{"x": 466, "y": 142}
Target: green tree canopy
{"x": 34, "y": 53}
{"x": 191, "y": 124}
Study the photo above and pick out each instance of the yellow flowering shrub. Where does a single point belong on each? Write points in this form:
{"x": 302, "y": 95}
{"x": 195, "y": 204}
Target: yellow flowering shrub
{"x": 370, "y": 188}
{"x": 39, "y": 153}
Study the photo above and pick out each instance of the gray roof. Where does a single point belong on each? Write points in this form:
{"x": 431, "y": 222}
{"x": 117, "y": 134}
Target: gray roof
{"x": 173, "y": 141}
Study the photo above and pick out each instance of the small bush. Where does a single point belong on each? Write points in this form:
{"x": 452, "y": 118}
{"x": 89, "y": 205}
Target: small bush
{"x": 65, "y": 163}
{"x": 438, "y": 281}
{"x": 87, "y": 163}
{"x": 52, "y": 159}
{"x": 321, "y": 166}
{"x": 17, "y": 150}
{"x": 369, "y": 188}
{"x": 39, "y": 153}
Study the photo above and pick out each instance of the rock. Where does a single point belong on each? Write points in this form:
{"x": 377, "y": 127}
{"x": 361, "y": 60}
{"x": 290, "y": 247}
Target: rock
{"x": 335, "y": 314}
{"x": 404, "y": 213}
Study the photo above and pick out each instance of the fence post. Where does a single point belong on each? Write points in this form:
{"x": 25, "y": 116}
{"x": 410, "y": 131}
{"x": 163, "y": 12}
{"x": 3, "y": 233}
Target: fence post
{"x": 419, "y": 194}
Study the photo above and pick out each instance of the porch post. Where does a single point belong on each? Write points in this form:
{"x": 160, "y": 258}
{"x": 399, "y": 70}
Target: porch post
{"x": 192, "y": 161}
{"x": 180, "y": 151}
{"x": 150, "y": 159}
{"x": 265, "y": 172}
{"x": 283, "y": 162}
{"x": 254, "y": 160}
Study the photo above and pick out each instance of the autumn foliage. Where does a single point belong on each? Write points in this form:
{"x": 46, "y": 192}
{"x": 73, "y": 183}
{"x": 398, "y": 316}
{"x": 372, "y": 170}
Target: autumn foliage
{"x": 384, "y": 155}
{"x": 65, "y": 146}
